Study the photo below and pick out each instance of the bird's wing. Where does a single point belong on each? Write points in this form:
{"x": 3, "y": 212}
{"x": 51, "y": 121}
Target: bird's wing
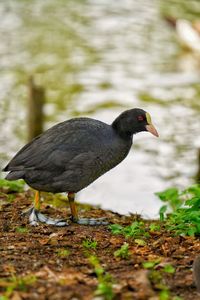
{"x": 57, "y": 146}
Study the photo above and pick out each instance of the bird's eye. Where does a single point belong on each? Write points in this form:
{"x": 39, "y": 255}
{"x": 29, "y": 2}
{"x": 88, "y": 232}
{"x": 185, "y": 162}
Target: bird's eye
{"x": 140, "y": 118}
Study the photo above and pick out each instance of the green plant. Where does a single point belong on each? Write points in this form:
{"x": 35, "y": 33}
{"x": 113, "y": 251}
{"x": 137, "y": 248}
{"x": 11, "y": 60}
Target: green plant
{"x": 150, "y": 264}
{"x": 184, "y": 220}
{"x": 162, "y": 212}
{"x": 140, "y": 242}
{"x": 89, "y": 244}
{"x": 154, "y": 227}
{"x": 136, "y": 230}
{"x": 172, "y": 196}
{"x": 123, "y": 251}
{"x": 3, "y": 297}
{"x": 16, "y": 283}
{"x": 63, "y": 252}
{"x": 105, "y": 285}
{"x": 164, "y": 294}
{"x": 12, "y": 186}
{"x": 168, "y": 268}
{"x": 156, "y": 272}
{"x": 22, "y": 229}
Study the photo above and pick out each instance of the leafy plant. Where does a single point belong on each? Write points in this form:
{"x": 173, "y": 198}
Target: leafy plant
{"x": 168, "y": 268}
{"x": 156, "y": 271}
{"x": 136, "y": 230}
{"x": 154, "y": 227}
{"x": 16, "y": 283}
{"x": 22, "y": 229}
{"x": 16, "y": 186}
{"x": 184, "y": 220}
{"x": 63, "y": 252}
{"x": 3, "y": 297}
{"x": 89, "y": 244}
{"x": 150, "y": 264}
{"x": 140, "y": 242}
{"x": 105, "y": 286}
{"x": 164, "y": 294}
{"x": 162, "y": 212}
{"x": 123, "y": 251}
{"x": 172, "y": 196}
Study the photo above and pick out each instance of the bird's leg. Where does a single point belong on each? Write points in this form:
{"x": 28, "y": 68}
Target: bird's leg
{"x": 37, "y": 200}
{"x": 72, "y": 204}
{"x": 82, "y": 221}
{"x": 35, "y": 216}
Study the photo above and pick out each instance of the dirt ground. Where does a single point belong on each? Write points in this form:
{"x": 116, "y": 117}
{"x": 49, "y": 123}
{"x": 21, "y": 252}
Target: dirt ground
{"x": 55, "y": 263}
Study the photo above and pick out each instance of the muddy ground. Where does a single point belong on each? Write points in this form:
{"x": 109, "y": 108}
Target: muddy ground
{"x": 46, "y": 262}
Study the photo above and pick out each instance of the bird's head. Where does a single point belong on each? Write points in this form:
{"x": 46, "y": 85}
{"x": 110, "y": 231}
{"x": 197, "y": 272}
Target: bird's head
{"x": 133, "y": 121}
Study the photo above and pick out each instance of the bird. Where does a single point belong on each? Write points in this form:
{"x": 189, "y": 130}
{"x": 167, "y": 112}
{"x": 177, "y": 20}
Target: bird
{"x": 187, "y": 32}
{"x": 71, "y": 155}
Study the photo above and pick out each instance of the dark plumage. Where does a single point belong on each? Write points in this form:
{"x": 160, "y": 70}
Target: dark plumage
{"x": 72, "y": 154}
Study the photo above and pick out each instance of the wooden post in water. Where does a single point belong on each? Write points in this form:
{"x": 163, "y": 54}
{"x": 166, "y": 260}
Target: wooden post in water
{"x": 36, "y": 102}
{"x": 198, "y": 166}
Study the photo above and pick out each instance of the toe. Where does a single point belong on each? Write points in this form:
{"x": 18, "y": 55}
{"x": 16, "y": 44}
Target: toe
{"x": 92, "y": 221}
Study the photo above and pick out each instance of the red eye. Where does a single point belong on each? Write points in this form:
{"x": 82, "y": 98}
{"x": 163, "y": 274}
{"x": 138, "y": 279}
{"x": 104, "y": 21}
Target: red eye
{"x": 140, "y": 118}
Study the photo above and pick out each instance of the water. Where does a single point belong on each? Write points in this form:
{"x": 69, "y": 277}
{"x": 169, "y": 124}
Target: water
{"x": 98, "y": 58}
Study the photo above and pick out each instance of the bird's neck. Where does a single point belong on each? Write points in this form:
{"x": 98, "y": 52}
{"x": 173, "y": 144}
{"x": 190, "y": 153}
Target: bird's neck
{"x": 118, "y": 128}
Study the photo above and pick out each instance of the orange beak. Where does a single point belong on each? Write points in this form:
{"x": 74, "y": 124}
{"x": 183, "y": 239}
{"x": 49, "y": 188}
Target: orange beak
{"x": 152, "y": 130}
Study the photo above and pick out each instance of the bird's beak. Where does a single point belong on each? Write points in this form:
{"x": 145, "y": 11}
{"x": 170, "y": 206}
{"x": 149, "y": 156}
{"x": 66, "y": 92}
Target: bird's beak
{"x": 151, "y": 129}
{"x": 150, "y": 126}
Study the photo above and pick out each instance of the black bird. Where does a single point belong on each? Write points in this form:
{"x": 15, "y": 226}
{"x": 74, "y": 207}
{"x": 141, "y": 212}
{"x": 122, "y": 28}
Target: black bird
{"x": 72, "y": 154}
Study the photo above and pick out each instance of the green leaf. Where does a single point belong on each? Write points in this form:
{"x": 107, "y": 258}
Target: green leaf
{"x": 169, "y": 269}
{"x": 162, "y": 211}
{"x": 116, "y": 228}
{"x": 22, "y": 230}
{"x": 89, "y": 244}
{"x": 140, "y": 242}
{"x": 150, "y": 264}
{"x": 164, "y": 295}
{"x": 123, "y": 251}
{"x": 154, "y": 227}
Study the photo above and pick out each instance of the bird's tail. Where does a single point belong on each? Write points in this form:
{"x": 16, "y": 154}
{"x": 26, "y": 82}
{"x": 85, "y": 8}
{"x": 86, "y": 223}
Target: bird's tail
{"x": 14, "y": 175}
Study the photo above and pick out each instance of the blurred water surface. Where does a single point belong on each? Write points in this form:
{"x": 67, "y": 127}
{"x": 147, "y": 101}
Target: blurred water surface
{"x": 97, "y": 58}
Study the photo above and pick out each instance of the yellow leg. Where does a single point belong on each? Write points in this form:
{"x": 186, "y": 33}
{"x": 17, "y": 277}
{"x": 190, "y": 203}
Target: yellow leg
{"x": 35, "y": 216}
{"x": 72, "y": 205}
{"x": 37, "y": 200}
{"x": 82, "y": 221}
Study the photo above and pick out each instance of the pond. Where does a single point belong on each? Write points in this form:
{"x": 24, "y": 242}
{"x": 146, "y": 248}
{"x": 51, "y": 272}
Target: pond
{"x": 97, "y": 58}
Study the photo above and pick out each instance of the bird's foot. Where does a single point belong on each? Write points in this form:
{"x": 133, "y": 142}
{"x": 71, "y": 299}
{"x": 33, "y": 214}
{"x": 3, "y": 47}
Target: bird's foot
{"x": 35, "y": 217}
{"x": 92, "y": 221}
